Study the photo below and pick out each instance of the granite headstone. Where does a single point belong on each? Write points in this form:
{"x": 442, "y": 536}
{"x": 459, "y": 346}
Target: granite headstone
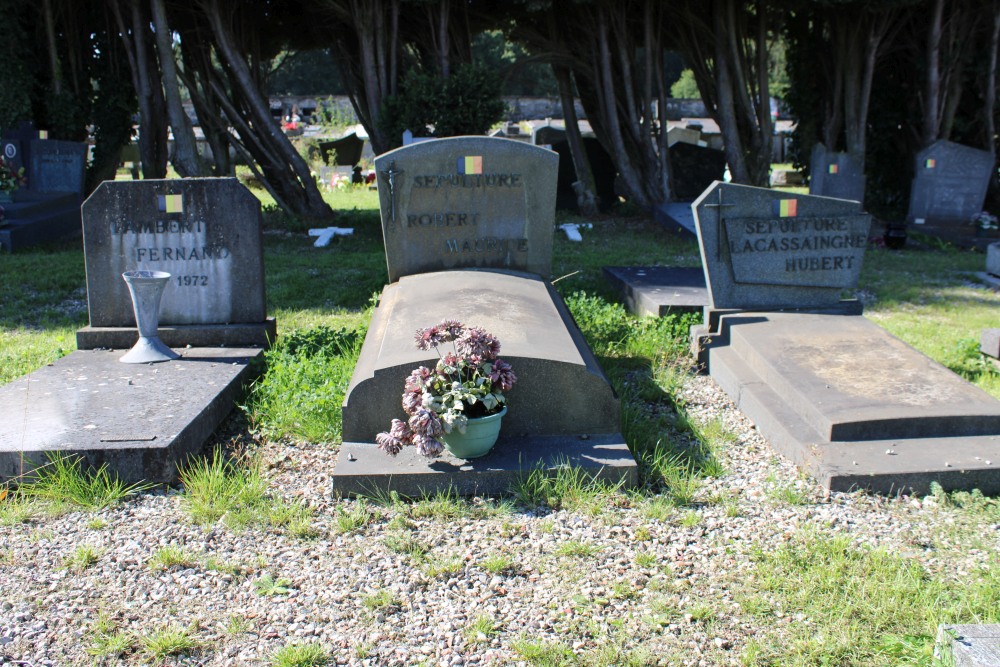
{"x": 949, "y": 183}
{"x": 11, "y": 151}
{"x": 833, "y": 174}
{"x": 694, "y": 168}
{"x": 467, "y": 202}
{"x": 205, "y": 232}
{"x": 57, "y": 166}
{"x": 767, "y": 249}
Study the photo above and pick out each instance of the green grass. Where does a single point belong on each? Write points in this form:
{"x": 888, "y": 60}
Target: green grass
{"x": 268, "y": 586}
{"x": 83, "y": 556}
{"x": 300, "y": 655}
{"x": 172, "y": 640}
{"x": 169, "y": 557}
{"x": 498, "y": 563}
{"x": 482, "y": 628}
{"x": 864, "y": 606}
{"x": 565, "y": 487}
{"x": 64, "y": 479}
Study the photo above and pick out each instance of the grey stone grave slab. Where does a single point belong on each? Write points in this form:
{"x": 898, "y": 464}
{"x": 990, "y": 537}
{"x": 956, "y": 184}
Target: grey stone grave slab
{"x": 833, "y": 174}
{"x": 658, "y": 290}
{"x": 57, "y": 166}
{"x": 467, "y": 202}
{"x": 676, "y": 216}
{"x": 694, "y": 168}
{"x": 34, "y": 218}
{"x": 949, "y": 184}
{"x": 993, "y": 259}
{"x": 837, "y": 394}
{"x": 205, "y": 232}
{"x": 767, "y": 249}
{"x": 546, "y": 135}
{"x": 989, "y": 343}
{"x": 969, "y": 645}
{"x": 141, "y": 420}
{"x": 562, "y": 407}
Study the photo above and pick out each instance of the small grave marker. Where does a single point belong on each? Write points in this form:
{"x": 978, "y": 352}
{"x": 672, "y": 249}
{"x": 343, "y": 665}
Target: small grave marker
{"x": 949, "y": 184}
{"x": 833, "y": 174}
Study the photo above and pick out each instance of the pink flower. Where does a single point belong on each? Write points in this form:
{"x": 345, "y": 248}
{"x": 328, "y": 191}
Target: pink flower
{"x": 412, "y": 401}
{"x": 429, "y": 337}
{"x": 417, "y": 379}
{"x": 427, "y": 423}
{"x": 476, "y": 341}
{"x": 427, "y": 446}
{"x": 451, "y": 328}
{"x": 392, "y": 442}
{"x": 503, "y": 375}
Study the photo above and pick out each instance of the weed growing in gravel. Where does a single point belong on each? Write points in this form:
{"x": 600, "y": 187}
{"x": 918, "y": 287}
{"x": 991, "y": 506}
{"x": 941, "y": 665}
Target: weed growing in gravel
{"x": 577, "y": 549}
{"x": 435, "y": 567}
{"x": 168, "y": 641}
{"x": 543, "y": 653}
{"x": 171, "y": 556}
{"x": 566, "y": 487}
{"x": 405, "y": 544}
{"x": 237, "y": 493}
{"x": 358, "y": 516}
{"x": 15, "y": 508}
{"x": 481, "y": 629}
{"x": 380, "y": 599}
{"x": 363, "y": 649}
{"x": 108, "y": 641}
{"x": 226, "y": 567}
{"x": 300, "y": 655}
{"x": 268, "y": 586}
{"x": 785, "y": 491}
{"x": 63, "y": 479}
{"x": 497, "y": 563}
{"x": 82, "y": 557}
{"x": 690, "y": 519}
{"x": 444, "y": 505}
{"x": 237, "y": 625}
{"x": 97, "y": 524}
{"x": 645, "y": 559}
{"x": 860, "y": 601}
{"x": 6, "y": 556}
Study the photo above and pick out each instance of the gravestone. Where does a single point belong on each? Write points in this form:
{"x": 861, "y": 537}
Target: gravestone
{"x": 467, "y": 202}
{"x": 547, "y": 135}
{"x": 205, "y": 232}
{"x": 658, "y": 290}
{"x": 21, "y": 137}
{"x": 693, "y": 168}
{"x": 949, "y": 184}
{"x": 11, "y": 150}
{"x": 344, "y": 152}
{"x": 58, "y": 166}
{"x": 686, "y": 135}
{"x": 602, "y": 167}
{"x": 468, "y": 225}
{"x": 831, "y": 390}
{"x": 833, "y": 174}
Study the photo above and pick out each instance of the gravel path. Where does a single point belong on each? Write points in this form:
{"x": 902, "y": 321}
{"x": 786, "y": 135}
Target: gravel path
{"x": 641, "y": 582}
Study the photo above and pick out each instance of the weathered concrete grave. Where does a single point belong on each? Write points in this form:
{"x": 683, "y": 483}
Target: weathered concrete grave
{"x": 834, "y": 392}
{"x": 969, "y": 645}
{"x": 483, "y": 208}
{"x": 949, "y": 184}
{"x": 833, "y": 174}
{"x": 47, "y": 208}
{"x": 658, "y": 290}
{"x": 205, "y": 232}
{"x": 145, "y": 420}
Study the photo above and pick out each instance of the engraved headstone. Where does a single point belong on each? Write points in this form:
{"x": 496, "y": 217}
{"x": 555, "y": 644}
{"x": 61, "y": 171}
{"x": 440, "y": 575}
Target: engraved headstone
{"x": 205, "y": 232}
{"x": 694, "y": 168}
{"x": 833, "y": 174}
{"x": 57, "y": 166}
{"x": 949, "y": 184}
{"x": 11, "y": 151}
{"x": 767, "y": 249}
{"x": 467, "y": 202}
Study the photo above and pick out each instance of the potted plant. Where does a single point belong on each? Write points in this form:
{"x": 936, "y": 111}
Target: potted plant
{"x": 985, "y": 223}
{"x": 459, "y": 404}
{"x": 10, "y": 179}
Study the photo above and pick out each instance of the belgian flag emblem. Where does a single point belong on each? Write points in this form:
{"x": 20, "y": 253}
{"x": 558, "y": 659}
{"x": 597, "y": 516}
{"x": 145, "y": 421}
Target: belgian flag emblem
{"x": 170, "y": 203}
{"x": 785, "y": 208}
{"x": 930, "y": 163}
{"x": 834, "y": 168}
{"x": 470, "y": 164}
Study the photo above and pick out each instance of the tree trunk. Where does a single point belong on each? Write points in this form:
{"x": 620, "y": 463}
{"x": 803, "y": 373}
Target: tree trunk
{"x": 586, "y": 200}
{"x": 185, "y": 154}
{"x": 932, "y": 86}
{"x": 990, "y": 96}
{"x": 726, "y": 110}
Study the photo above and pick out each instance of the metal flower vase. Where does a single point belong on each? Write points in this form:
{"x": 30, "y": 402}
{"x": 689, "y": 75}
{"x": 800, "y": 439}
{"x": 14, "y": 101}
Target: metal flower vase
{"x": 146, "y": 288}
{"x": 480, "y": 435}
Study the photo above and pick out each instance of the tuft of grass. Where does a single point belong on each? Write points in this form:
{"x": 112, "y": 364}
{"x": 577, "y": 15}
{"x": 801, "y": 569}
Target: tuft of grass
{"x": 381, "y": 599}
{"x": 97, "y": 523}
{"x": 785, "y": 491}
{"x": 565, "y": 487}
{"x": 166, "y": 642}
{"x": 435, "y": 567}
{"x": 237, "y": 625}
{"x": 498, "y": 562}
{"x": 171, "y": 556}
{"x": 63, "y": 479}
{"x": 444, "y": 505}
{"x": 82, "y": 557}
{"x": 15, "y": 508}
{"x": 269, "y": 586}
{"x": 541, "y": 653}
{"x": 406, "y": 544}
{"x": 481, "y": 629}
{"x": 300, "y": 655}
{"x": 645, "y": 559}
{"x": 577, "y": 549}
{"x": 356, "y": 517}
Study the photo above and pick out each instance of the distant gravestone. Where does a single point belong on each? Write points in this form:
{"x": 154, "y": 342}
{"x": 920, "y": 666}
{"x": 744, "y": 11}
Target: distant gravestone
{"x": 546, "y": 135}
{"x": 767, "y": 249}
{"x": 467, "y": 202}
{"x": 602, "y": 168}
{"x": 11, "y": 150}
{"x": 205, "y": 232}
{"x": 57, "y": 166}
{"x": 344, "y": 152}
{"x": 949, "y": 184}
{"x": 22, "y": 135}
{"x": 684, "y": 135}
{"x": 834, "y": 174}
{"x": 694, "y": 168}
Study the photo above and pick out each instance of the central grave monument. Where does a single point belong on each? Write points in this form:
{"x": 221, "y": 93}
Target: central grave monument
{"x": 468, "y": 225}
{"x": 845, "y": 400}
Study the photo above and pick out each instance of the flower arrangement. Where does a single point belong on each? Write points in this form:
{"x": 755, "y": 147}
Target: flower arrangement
{"x": 10, "y": 179}
{"x": 985, "y": 220}
{"x": 466, "y": 383}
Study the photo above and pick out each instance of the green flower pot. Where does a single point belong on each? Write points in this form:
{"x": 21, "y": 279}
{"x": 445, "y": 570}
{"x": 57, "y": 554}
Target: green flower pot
{"x": 480, "y": 435}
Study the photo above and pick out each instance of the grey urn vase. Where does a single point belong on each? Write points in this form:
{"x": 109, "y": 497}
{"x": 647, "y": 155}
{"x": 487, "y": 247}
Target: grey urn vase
{"x": 146, "y": 288}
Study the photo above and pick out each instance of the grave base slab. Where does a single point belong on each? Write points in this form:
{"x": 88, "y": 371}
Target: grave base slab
{"x": 35, "y": 218}
{"x": 657, "y": 290}
{"x": 969, "y": 645}
{"x": 261, "y": 334}
{"x": 142, "y": 420}
{"x": 363, "y": 469}
{"x": 856, "y": 407}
